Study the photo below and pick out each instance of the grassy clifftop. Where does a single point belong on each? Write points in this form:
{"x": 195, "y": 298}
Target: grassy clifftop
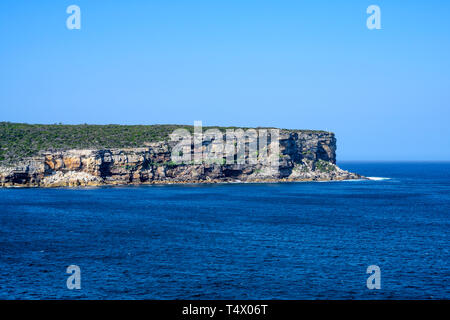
{"x": 20, "y": 140}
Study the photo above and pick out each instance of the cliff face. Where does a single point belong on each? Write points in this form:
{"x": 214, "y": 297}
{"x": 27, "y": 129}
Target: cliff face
{"x": 303, "y": 156}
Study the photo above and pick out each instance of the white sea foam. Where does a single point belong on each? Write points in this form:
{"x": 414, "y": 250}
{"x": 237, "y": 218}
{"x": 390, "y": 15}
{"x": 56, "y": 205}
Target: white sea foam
{"x": 377, "y": 178}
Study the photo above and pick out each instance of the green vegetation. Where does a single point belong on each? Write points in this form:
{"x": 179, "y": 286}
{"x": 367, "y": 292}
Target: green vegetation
{"x": 324, "y": 166}
{"x": 20, "y": 140}
{"x": 171, "y": 164}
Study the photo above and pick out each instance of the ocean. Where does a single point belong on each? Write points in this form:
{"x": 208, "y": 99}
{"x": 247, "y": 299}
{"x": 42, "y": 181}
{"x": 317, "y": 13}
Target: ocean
{"x": 306, "y": 240}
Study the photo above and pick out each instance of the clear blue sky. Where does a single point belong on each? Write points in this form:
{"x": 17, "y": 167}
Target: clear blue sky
{"x": 290, "y": 64}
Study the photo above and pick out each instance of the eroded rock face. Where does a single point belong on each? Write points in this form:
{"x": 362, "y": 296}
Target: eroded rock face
{"x": 303, "y": 156}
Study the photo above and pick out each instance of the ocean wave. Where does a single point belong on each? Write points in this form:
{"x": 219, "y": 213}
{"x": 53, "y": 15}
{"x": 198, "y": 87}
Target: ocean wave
{"x": 378, "y": 178}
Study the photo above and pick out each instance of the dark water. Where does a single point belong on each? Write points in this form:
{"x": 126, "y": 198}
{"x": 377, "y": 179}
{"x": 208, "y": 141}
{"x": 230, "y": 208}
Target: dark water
{"x": 241, "y": 241}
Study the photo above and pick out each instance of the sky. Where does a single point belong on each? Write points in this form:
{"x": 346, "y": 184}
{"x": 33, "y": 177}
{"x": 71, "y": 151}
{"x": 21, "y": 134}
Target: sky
{"x": 289, "y": 64}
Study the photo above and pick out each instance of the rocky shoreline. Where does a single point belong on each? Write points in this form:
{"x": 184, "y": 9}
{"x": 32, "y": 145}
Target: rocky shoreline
{"x": 303, "y": 156}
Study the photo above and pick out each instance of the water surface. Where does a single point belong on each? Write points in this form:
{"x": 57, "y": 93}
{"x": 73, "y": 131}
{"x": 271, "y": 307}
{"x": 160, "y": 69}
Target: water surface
{"x": 233, "y": 241}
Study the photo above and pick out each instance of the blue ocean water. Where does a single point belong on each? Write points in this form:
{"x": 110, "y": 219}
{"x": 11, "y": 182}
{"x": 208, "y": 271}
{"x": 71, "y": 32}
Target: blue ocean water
{"x": 233, "y": 241}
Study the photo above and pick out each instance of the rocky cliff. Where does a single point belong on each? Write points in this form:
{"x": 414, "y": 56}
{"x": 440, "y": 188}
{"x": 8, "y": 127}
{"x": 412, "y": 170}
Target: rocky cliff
{"x": 303, "y": 156}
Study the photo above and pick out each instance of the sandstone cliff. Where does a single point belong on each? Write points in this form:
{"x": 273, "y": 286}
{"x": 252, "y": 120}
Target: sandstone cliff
{"x": 303, "y": 156}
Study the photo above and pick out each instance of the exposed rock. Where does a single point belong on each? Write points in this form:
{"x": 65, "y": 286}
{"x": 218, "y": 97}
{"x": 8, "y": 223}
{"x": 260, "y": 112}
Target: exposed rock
{"x": 304, "y": 156}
